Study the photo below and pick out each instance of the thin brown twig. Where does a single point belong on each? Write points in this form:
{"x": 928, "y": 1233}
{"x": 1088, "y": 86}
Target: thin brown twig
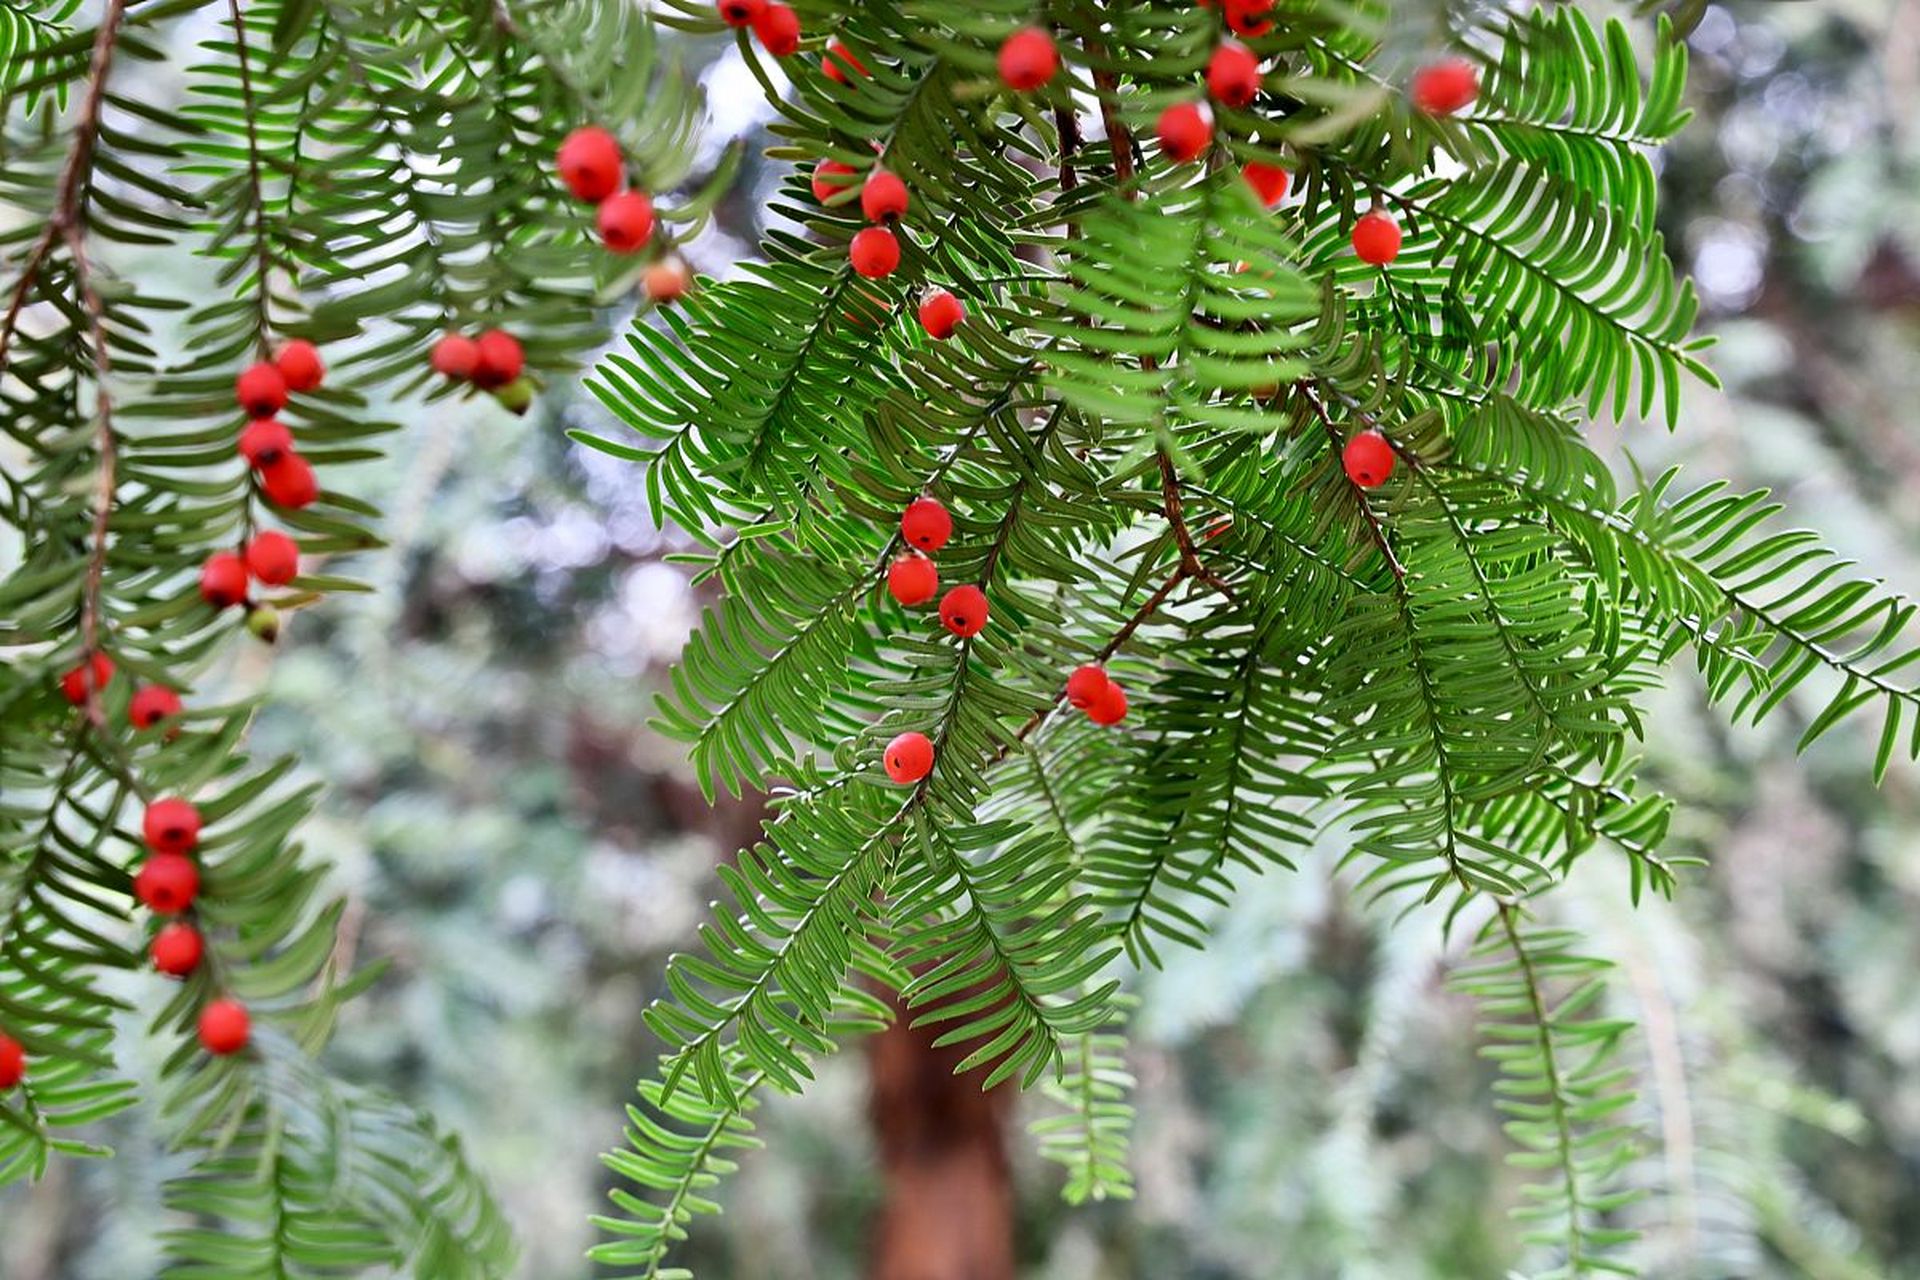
{"x": 67, "y": 194}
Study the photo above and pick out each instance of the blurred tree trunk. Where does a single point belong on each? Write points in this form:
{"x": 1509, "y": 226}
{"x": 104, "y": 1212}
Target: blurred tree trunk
{"x": 948, "y": 1207}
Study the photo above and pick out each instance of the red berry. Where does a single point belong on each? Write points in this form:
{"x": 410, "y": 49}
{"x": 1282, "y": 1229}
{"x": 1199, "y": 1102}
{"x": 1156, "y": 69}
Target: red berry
{"x": 925, "y": 524}
{"x": 223, "y": 580}
{"x": 1368, "y": 459}
{"x": 299, "y": 363}
{"x": 626, "y": 221}
{"x": 883, "y": 197}
{"x": 1028, "y": 60}
{"x": 963, "y": 610}
{"x": 1269, "y": 181}
{"x": 264, "y": 440}
{"x": 667, "y": 280}
{"x": 289, "y": 481}
{"x": 739, "y": 13}
{"x": 177, "y": 949}
{"x": 875, "y": 253}
{"x": 1249, "y": 17}
{"x": 830, "y": 178}
{"x": 171, "y": 825}
{"x": 456, "y": 356}
{"x": 261, "y": 390}
{"x": 151, "y": 704}
{"x": 590, "y": 164}
{"x": 1233, "y": 74}
{"x": 1185, "y": 129}
{"x": 499, "y": 359}
{"x": 13, "y": 1062}
{"x": 778, "y": 28}
{"x": 1110, "y": 707}
{"x": 912, "y": 579}
{"x": 167, "y": 883}
{"x": 225, "y": 1027}
{"x": 909, "y": 757}
{"x": 73, "y": 684}
{"x": 1376, "y": 238}
{"x": 1442, "y": 88}
{"x": 839, "y": 62}
{"x": 941, "y": 313}
{"x": 273, "y": 558}
{"x": 1087, "y": 685}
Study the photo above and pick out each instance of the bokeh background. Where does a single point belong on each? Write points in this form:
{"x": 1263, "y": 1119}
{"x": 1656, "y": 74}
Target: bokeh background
{"x": 525, "y": 853}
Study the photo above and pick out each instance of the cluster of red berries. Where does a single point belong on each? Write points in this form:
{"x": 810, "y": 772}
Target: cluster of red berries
{"x": 775, "y": 25}
{"x": 1098, "y": 694}
{"x": 913, "y": 580}
{"x": 492, "y": 362}
{"x": 168, "y": 884}
{"x": 593, "y": 168}
{"x": 262, "y": 389}
{"x": 151, "y": 704}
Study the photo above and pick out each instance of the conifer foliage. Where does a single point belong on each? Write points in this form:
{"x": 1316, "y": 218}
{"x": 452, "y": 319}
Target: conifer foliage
{"x": 201, "y": 295}
{"x": 1151, "y": 443}
{"x": 1263, "y": 403}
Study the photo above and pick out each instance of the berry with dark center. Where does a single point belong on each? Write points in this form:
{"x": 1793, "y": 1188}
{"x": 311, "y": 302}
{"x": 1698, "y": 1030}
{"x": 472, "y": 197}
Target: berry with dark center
{"x": 1110, "y": 707}
{"x": 1444, "y": 87}
{"x": 1233, "y": 74}
{"x": 1028, "y": 60}
{"x": 740, "y": 13}
{"x": 875, "y": 253}
{"x": 626, "y": 221}
{"x": 171, "y": 825}
{"x": 289, "y": 481}
{"x": 1248, "y": 18}
{"x": 263, "y": 621}
{"x": 912, "y": 579}
{"x": 177, "y": 949}
{"x": 667, "y": 281}
{"x": 941, "y": 313}
{"x": 830, "y": 178}
{"x": 299, "y": 363}
{"x": 273, "y": 558}
{"x": 590, "y": 164}
{"x": 261, "y": 390}
{"x": 883, "y": 197}
{"x": 456, "y": 356}
{"x": 152, "y": 704}
{"x": 1087, "y": 685}
{"x": 1269, "y": 181}
{"x": 1368, "y": 459}
{"x": 778, "y": 30}
{"x": 499, "y": 359}
{"x": 1376, "y": 238}
{"x": 13, "y": 1062}
{"x": 263, "y": 441}
{"x": 223, "y": 580}
{"x": 963, "y": 610}
{"x": 925, "y": 524}
{"x": 97, "y": 671}
{"x": 225, "y": 1027}
{"x": 839, "y": 63}
{"x": 1185, "y": 129}
{"x": 516, "y": 397}
{"x": 167, "y": 883}
{"x": 908, "y": 758}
